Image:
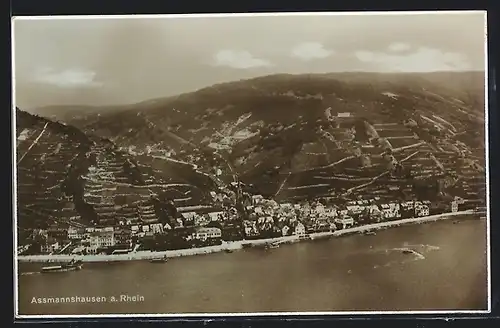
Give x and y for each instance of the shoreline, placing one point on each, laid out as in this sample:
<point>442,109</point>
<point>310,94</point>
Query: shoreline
<point>236,245</point>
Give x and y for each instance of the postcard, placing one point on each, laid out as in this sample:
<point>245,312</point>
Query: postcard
<point>251,164</point>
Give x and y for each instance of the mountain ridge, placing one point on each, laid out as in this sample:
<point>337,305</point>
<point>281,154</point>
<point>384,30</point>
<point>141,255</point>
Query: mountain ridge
<point>316,135</point>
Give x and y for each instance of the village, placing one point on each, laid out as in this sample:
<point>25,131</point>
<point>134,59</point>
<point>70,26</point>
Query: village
<point>265,218</point>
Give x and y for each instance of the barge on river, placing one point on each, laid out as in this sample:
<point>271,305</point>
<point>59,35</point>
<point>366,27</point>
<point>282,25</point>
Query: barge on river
<point>71,266</point>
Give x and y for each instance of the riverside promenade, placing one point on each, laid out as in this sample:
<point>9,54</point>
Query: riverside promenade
<point>235,245</point>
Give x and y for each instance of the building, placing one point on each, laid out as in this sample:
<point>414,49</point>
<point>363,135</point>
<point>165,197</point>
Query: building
<point>390,211</point>
<point>454,206</point>
<point>206,236</point>
<point>156,228</point>
<point>258,210</point>
<point>50,247</point>
<point>375,213</point>
<point>102,239</point>
<point>216,216</point>
<point>189,215</point>
<point>422,210</point>
<point>345,222</point>
<point>250,229</point>
<point>300,229</point>
<point>123,237</point>
<point>75,233</point>
<point>205,233</point>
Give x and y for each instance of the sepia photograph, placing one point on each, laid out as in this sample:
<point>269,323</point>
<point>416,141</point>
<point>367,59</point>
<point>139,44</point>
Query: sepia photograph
<point>250,164</point>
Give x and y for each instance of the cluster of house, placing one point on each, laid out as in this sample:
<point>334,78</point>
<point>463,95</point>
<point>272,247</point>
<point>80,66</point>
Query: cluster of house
<point>308,217</point>
<point>264,218</point>
<point>92,240</point>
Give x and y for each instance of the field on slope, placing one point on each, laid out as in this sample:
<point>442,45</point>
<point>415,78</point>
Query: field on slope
<point>66,177</point>
<point>296,136</point>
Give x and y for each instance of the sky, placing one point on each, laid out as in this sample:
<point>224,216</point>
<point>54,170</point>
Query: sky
<point>104,61</point>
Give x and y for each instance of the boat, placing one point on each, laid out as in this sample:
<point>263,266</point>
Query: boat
<point>228,250</point>
<point>408,251</point>
<point>370,233</point>
<point>271,246</point>
<point>73,265</point>
<point>159,259</point>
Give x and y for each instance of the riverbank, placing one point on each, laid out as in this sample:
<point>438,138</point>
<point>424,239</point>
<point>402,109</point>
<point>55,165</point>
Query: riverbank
<point>236,245</point>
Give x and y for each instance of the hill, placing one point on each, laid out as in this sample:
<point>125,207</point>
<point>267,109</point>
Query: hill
<point>66,177</point>
<point>306,136</point>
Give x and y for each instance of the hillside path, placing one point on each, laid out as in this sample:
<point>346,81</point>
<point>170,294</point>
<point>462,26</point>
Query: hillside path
<point>33,143</point>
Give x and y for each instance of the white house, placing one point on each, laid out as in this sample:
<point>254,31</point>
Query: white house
<point>102,239</point>
<point>355,209</point>
<point>216,216</point>
<point>422,210</point>
<point>268,211</point>
<point>207,233</point>
<point>390,211</point>
<point>285,230</point>
<point>299,229</point>
<point>331,212</point>
<point>375,212</point>
<point>188,215</point>
<point>454,206</point>
<point>157,228</point>
<point>386,211</point>
<point>345,221</point>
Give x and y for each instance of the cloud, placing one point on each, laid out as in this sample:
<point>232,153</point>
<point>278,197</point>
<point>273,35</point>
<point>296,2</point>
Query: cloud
<point>310,51</point>
<point>422,60</point>
<point>399,46</point>
<point>239,59</point>
<point>67,78</point>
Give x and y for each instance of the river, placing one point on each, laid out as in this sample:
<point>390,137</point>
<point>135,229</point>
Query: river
<point>448,271</point>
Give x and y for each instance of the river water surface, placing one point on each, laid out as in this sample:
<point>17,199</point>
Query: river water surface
<point>446,271</point>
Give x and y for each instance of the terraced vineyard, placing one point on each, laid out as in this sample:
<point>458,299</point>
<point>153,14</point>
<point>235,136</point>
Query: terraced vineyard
<point>305,136</point>
<point>69,178</point>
